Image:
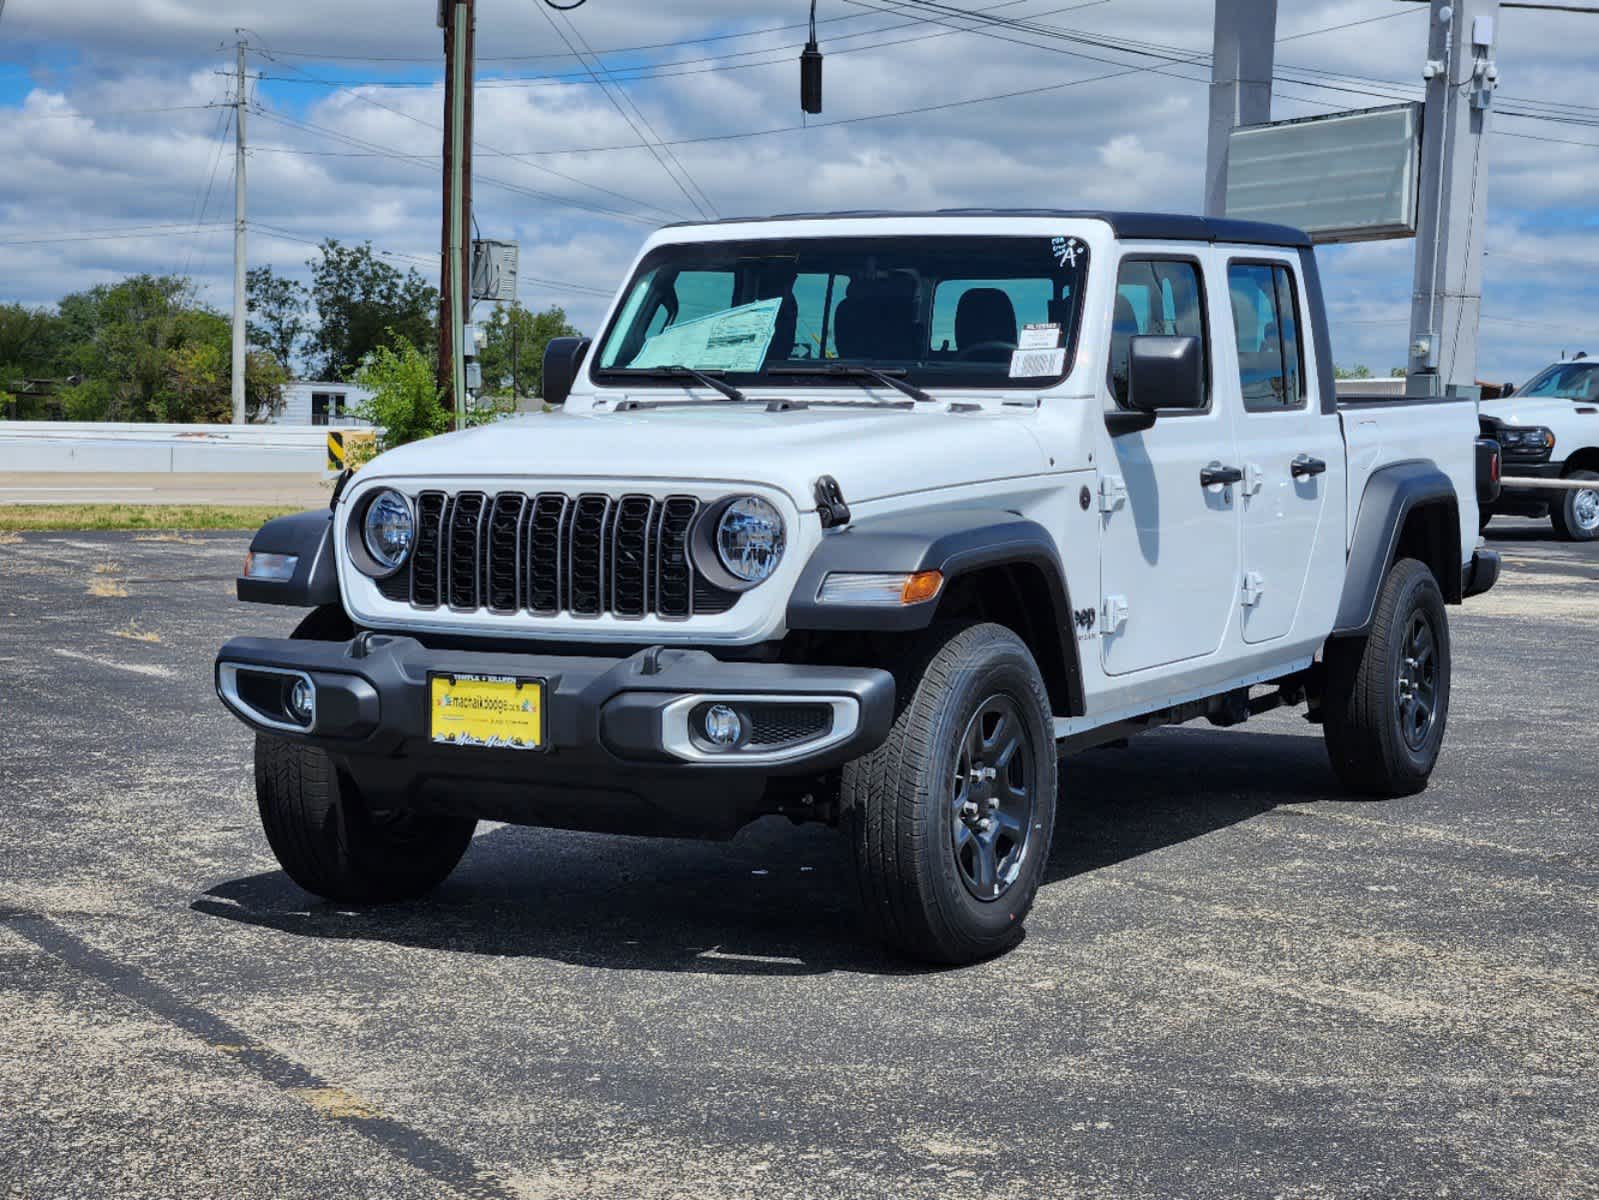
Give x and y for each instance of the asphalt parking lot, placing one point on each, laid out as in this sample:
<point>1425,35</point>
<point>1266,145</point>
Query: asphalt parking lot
<point>1236,983</point>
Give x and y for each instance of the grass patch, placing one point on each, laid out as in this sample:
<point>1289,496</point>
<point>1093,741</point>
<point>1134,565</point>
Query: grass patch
<point>107,589</point>
<point>35,518</point>
<point>134,634</point>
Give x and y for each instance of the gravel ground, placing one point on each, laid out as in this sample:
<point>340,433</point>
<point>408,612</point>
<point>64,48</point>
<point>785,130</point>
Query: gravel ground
<point>1235,984</point>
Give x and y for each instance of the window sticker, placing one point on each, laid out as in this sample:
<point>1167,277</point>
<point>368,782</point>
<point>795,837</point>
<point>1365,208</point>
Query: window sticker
<point>733,340</point>
<point>1039,337</point>
<point>1066,250</point>
<point>1029,364</point>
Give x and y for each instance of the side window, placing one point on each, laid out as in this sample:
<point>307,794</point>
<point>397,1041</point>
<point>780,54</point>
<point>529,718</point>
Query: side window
<point>1266,327</point>
<point>1154,296</point>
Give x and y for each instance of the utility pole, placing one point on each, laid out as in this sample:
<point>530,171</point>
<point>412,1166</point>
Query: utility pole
<point>239,309</point>
<point>457,17</point>
<point>1240,84</point>
<point>1452,219</point>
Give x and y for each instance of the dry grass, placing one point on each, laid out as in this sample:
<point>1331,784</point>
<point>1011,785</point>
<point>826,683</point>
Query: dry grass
<point>7,538</point>
<point>108,568</point>
<point>134,634</point>
<point>170,537</point>
<point>107,588</point>
<point>167,518</point>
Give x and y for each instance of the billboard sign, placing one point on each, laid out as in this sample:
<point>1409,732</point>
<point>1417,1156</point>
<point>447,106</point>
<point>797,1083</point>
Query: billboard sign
<point>1346,177</point>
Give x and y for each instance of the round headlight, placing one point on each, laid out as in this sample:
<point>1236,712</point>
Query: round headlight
<point>749,539</point>
<point>387,529</point>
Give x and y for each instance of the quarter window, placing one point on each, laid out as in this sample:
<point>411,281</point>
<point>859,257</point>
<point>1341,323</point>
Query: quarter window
<point>1154,296</point>
<point>1266,325</point>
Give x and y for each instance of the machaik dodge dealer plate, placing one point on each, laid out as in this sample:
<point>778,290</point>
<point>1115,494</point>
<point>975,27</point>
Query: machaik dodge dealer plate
<point>486,710</point>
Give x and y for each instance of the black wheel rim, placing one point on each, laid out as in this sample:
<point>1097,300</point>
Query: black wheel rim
<point>1418,681</point>
<point>991,812</point>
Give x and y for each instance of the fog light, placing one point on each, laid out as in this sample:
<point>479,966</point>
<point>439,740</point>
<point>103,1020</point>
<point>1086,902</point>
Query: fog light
<point>302,701</point>
<point>722,726</point>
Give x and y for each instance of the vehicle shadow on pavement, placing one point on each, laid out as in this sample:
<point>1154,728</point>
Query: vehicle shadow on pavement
<point>778,899</point>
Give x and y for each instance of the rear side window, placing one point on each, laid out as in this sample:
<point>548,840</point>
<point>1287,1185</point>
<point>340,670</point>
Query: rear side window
<point>1266,325</point>
<point>1154,296</point>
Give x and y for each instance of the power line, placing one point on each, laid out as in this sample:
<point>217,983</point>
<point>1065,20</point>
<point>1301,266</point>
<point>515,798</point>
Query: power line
<point>105,112</point>
<point>171,229</point>
<point>349,90</point>
<point>703,207</point>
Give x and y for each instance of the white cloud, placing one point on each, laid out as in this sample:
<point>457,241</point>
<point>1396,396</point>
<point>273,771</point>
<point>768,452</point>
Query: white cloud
<point>1135,141</point>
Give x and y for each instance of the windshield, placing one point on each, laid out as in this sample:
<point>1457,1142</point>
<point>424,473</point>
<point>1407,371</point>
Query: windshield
<point>1576,381</point>
<point>934,311</point>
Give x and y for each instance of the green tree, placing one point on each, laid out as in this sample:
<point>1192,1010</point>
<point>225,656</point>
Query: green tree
<point>33,343</point>
<point>145,350</point>
<point>406,403</point>
<point>362,303</point>
<point>277,307</point>
<point>514,342</point>
<point>1360,372</point>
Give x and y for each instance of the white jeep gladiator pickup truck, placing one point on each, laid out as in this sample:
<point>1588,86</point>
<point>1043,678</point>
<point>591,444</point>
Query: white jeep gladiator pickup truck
<point>1549,430</point>
<point>867,519</point>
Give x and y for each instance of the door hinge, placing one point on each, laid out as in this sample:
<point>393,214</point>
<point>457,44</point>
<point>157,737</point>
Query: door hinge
<point>1254,477</point>
<point>1112,493</point>
<point>1254,588</point>
<point>1113,616</point>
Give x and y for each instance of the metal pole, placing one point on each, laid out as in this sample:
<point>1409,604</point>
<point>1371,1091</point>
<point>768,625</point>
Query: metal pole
<point>1240,84</point>
<point>1446,301</point>
<point>516,356</point>
<point>456,16</point>
<point>239,269</point>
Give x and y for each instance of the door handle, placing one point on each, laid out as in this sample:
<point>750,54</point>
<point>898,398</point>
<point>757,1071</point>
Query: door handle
<point>1305,466</point>
<point>1216,474</point>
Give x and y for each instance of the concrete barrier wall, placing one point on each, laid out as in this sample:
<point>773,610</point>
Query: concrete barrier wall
<point>198,449</point>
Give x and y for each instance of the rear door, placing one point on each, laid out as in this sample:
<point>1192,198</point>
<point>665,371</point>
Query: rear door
<point>1291,450</point>
<point>1169,545</point>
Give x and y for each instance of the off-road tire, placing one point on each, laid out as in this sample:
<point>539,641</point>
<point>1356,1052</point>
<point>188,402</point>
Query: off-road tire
<point>899,800</point>
<point>329,843</point>
<point>1363,712</point>
<point>1563,513</point>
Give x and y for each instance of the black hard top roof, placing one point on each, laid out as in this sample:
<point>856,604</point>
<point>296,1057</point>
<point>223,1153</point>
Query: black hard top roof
<point>1126,225</point>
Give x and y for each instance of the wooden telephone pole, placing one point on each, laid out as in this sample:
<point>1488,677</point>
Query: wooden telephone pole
<point>458,20</point>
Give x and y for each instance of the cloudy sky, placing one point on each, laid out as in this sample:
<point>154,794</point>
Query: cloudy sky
<point>108,124</point>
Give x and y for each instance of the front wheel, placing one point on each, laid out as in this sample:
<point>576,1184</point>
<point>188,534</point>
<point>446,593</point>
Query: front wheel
<point>331,843</point>
<point>1576,513</point>
<point>951,818</point>
<point>1387,697</point>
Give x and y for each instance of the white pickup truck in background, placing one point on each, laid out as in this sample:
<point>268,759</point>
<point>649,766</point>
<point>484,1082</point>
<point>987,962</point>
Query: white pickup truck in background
<point>1549,431</point>
<point>868,519</point>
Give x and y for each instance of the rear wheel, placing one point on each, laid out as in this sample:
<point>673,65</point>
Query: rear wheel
<point>1387,698</point>
<point>1576,513</point>
<point>951,818</point>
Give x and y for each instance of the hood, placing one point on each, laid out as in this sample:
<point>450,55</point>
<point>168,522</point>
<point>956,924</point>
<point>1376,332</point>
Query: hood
<point>1526,410</point>
<point>873,453</point>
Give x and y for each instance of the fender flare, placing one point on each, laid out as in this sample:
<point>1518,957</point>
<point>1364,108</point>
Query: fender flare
<point>1392,494</point>
<point>309,537</point>
<point>954,542</point>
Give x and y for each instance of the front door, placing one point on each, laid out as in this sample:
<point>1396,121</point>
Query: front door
<point>1169,545</point>
<point>1290,448</point>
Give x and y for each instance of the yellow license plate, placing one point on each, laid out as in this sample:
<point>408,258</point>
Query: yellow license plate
<point>486,710</point>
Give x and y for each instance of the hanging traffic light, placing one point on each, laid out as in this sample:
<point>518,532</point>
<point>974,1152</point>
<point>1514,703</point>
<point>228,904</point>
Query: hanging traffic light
<point>811,71</point>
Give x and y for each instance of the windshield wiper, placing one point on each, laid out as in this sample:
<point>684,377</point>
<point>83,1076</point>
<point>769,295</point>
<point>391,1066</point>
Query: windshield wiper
<point>679,371</point>
<point>859,371</point>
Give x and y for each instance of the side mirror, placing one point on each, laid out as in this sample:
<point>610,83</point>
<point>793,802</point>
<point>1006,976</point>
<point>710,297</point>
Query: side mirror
<point>563,358</point>
<point>1506,391</point>
<point>1165,373</point>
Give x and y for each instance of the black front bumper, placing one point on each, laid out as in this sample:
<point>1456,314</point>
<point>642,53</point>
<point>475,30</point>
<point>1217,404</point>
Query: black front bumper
<point>608,762</point>
<point>1516,501</point>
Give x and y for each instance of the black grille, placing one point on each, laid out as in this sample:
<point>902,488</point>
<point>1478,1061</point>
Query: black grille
<point>464,556</point>
<point>776,725</point>
<point>550,553</point>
